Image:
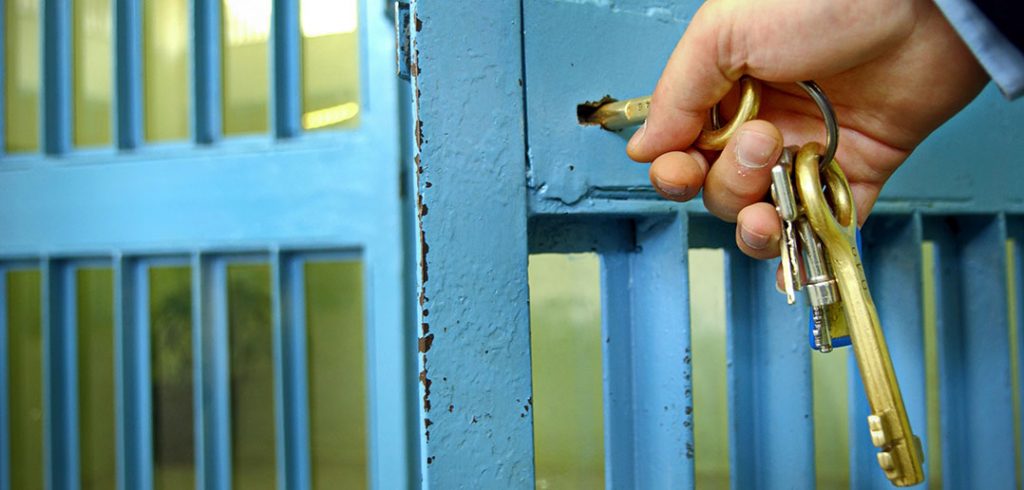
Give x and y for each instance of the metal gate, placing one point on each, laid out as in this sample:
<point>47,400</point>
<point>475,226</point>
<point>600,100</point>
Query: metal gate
<point>252,192</point>
<point>505,170</point>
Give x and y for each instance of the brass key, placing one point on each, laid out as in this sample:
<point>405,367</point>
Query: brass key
<point>834,220</point>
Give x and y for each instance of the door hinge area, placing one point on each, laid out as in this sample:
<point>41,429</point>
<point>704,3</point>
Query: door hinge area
<point>403,39</point>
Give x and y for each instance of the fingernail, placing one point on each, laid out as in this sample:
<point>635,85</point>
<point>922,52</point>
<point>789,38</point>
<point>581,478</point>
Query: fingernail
<point>673,192</point>
<point>753,240</point>
<point>754,149</point>
<point>779,288</point>
<point>638,136</point>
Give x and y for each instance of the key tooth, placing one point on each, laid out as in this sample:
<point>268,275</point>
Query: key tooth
<point>821,287</point>
<point>834,222</point>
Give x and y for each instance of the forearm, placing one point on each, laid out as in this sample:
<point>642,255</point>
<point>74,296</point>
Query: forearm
<point>992,30</point>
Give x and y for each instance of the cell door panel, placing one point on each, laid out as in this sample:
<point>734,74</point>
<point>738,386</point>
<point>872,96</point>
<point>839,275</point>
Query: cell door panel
<point>219,270</point>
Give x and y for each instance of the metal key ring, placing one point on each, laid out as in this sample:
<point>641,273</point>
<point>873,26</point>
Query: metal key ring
<point>750,102</point>
<point>829,115</point>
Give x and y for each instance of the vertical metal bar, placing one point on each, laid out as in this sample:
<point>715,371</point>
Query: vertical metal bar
<point>1015,230</point>
<point>3,84</point>
<point>5,418</point>
<point>974,354</point>
<point>616,324</point>
<point>892,261</point>
<point>285,57</point>
<point>60,376</point>
<point>211,382</point>
<point>133,375</point>
<point>662,384</point>
<point>771,427</point>
<point>128,74</point>
<point>207,97</point>
<point>475,377</point>
<point>290,372</point>
<point>55,123</point>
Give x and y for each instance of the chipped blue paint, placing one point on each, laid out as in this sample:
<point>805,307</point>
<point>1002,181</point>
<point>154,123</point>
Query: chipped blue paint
<point>474,332</point>
<point>583,194</point>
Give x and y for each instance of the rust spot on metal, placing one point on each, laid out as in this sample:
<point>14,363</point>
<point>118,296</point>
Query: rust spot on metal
<point>430,459</point>
<point>424,250</point>
<point>585,111</point>
<point>426,342</point>
<point>426,312</point>
<point>474,420</point>
<point>526,407</point>
<point>427,423</point>
<point>423,210</point>
<point>418,22</point>
<point>427,435</point>
<point>425,327</point>
<point>689,450</point>
<point>428,185</point>
<point>426,390</point>
<point>689,410</point>
<point>451,408</point>
<point>419,133</point>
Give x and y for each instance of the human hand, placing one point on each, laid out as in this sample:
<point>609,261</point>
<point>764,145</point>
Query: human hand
<point>894,70</point>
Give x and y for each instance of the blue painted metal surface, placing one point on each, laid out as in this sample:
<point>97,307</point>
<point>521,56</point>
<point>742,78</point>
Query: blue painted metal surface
<point>55,97</point>
<point>290,364</point>
<point>648,313</point>
<point>5,417</point>
<point>974,355</point>
<point>771,428</point>
<point>210,367</point>
<point>206,91</point>
<point>128,121</point>
<point>476,414</point>
<point>314,197</point>
<point>60,376</point>
<point>133,384</point>
<point>1015,230</point>
<point>892,262</point>
<point>3,100</point>
<point>285,61</point>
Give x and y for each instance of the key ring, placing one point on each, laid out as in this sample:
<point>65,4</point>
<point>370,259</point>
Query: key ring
<point>829,115</point>
<point>718,136</point>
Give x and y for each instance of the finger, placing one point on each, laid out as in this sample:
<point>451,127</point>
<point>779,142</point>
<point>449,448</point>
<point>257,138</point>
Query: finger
<point>698,74</point>
<point>864,197</point>
<point>758,231</point>
<point>742,174</point>
<point>679,175</point>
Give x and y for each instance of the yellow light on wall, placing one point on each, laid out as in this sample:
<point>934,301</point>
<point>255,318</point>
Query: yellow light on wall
<point>330,115</point>
<point>326,17</point>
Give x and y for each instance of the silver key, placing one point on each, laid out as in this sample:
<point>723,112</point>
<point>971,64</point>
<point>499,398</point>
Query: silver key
<point>786,206</point>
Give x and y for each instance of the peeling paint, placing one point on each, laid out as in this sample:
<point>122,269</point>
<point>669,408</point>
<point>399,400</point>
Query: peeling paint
<point>426,342</point>
<point>425,381</point>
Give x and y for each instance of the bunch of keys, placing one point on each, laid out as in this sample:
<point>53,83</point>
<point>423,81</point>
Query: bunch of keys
<point>819,223</point>
<point>820,256</point>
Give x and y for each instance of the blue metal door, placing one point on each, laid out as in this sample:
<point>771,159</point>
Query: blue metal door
<point>505,169</point>
<point>283,198</point>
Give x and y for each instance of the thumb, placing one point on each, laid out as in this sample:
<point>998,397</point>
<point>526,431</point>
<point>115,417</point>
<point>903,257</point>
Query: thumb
<point>700,71</point>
